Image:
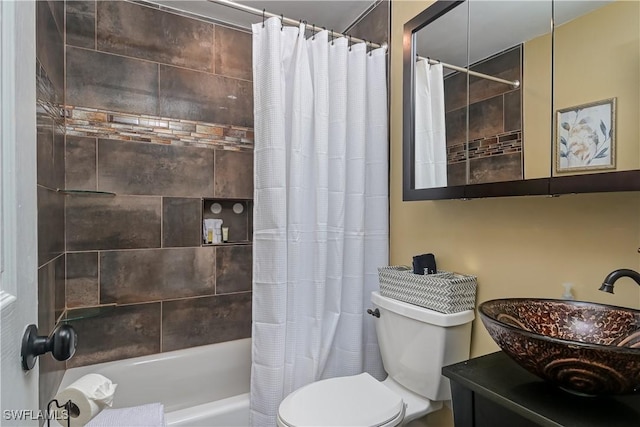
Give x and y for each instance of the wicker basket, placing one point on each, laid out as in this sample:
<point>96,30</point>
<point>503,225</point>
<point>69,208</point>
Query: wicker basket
<point>444,291</point>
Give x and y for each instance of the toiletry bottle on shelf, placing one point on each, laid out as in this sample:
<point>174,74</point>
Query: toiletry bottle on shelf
<point>225,234</point>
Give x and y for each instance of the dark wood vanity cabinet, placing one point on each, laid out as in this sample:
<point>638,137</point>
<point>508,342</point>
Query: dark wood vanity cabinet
<point>493,391</point>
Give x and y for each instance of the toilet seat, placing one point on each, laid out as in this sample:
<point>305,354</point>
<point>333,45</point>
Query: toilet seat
<point>358,400</point>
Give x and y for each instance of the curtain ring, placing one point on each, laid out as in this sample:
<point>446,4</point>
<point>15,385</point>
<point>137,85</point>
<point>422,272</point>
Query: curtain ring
<point>332,37</point>
<point>281,22</point>
<point>263,11</point>
<point>313,37</point>
<point>350,42</point>
<point>370,49</point>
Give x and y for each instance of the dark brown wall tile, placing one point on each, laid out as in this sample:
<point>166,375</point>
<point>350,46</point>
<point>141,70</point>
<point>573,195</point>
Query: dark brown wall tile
<point>119,222</point>
<point>192,95</point>
<point>506,167</point>
<point>199,321</point>
<point>512,111</point>
<point>51,373</point>
<point>237,223</point>
<point>456,126</point>
<point>374,26</point>
<point>46,298</point>
<point>141,168</point>
<point>457,173</point>
<point>50,44</point>
<point>81,23</point>
<point>122,332</point>
<point>51,296</point>
<point>60,288</point>
<point>45,149</point>
<point>486,118</point>
<point>181,222</point>
<point>142,32</point>
<point>148,275</point>
<point>232,53</point>
<point>51,226</point>
<point>101,80</point>
<point>81,163</point>
<point>82,279</point>
<point>50,152</point>
<point>233,269</point>
<point>455,91</point>
<point>505,66</point>
<point>234,174</point>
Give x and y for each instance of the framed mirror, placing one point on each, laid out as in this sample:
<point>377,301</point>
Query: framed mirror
<point>531,95</point>
<point>496,59</point>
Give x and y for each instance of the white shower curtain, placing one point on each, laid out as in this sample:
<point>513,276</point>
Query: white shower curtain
<point>430,136</point>
<point>321,210</point>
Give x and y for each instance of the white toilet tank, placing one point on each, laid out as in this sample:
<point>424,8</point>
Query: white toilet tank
<point>416,343</point>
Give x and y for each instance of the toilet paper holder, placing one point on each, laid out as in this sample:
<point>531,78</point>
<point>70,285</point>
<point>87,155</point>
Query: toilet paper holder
<point>69,410</point>
<point>61,343</point>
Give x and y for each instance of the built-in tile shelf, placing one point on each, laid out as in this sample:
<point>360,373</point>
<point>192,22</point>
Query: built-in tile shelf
<point>239,243</point>
<point>240,223</point>
<point>85,192</point>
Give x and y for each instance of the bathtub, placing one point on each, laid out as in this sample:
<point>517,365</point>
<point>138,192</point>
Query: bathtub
<point>200,386</point>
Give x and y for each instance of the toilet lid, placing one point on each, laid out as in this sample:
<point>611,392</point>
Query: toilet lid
<point>358,400</point>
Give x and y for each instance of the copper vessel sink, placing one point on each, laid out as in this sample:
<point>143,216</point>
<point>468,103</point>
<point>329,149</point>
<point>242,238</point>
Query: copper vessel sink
<point>584,348</point>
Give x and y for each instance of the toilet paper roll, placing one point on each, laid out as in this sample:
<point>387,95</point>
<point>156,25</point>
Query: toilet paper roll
<point>90,395</point>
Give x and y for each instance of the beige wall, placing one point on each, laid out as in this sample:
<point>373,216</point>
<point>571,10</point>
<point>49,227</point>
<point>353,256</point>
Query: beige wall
<point>597,57</point>
<point>519,246</point>
<point>536,107</point>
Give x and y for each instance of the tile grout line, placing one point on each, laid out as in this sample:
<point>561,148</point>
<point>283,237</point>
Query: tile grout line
<point>161,314</point>
<point>162,222</point>
<point>95,25</point>
<point>215,273</point>
<point>159,97</point>
<point>99,276</point>
<point>213,48</point>
<point>149,61</point>
<point>95,142</point>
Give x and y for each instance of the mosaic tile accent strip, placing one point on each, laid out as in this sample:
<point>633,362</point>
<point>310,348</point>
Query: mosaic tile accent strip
<point>505,143</point>
<point>91,122</point>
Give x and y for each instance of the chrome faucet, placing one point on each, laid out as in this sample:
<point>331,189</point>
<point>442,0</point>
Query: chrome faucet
<point>607,285</point>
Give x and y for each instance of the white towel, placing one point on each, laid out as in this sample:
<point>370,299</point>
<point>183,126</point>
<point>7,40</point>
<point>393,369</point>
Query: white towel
<point>151,415</point>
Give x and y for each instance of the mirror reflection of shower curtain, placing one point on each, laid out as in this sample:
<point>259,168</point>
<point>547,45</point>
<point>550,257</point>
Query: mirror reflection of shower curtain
<point>430,135</point>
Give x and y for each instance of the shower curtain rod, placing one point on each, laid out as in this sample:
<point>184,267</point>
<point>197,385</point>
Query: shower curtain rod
<point>514,83</point>
<point>285,20</point>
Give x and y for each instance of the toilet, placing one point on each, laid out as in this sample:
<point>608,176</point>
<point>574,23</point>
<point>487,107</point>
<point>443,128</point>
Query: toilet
<point>415,344</point>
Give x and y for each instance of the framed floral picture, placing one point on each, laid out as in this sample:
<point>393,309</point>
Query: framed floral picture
<point>586,137</point>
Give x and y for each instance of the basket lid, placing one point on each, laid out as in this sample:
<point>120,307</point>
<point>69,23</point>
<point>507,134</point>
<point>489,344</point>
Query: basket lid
<point>422,314</point>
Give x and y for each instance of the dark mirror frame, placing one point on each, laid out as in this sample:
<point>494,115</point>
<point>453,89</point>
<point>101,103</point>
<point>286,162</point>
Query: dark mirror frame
<point>590,183</point>
<point>409,192</point>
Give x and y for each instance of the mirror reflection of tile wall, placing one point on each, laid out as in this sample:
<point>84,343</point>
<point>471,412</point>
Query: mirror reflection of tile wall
<point>494,141</point>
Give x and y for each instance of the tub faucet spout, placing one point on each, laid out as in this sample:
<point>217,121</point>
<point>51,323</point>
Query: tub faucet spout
<point>607,285</point>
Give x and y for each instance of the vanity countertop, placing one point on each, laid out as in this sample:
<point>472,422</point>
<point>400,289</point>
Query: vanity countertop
<point>497,378</point>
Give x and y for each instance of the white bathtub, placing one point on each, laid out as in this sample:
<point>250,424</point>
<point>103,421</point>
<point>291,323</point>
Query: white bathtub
<point>201,386</point>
